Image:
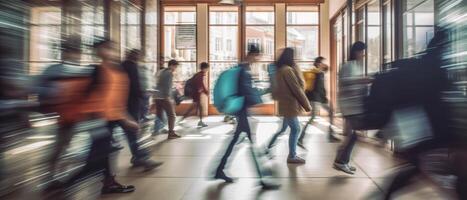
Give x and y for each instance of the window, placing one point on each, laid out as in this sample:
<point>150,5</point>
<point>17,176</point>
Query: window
<point>223,27</point>
<point>130,21</point>
<point>45,43</point>
<point>373,40</point>
<point>46,29</point>
<point>418,24</point>
<point>259,28</point>
<point>179,40</point>
<point>387,40</point>
<point>303,33</point>
<point>151,49</point>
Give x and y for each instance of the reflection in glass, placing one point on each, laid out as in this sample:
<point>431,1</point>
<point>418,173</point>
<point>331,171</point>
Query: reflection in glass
<point>223,42</point>
<point>263,37</point>
<point>304,39</point>
<point>419,26</point>
<point>170,49</point>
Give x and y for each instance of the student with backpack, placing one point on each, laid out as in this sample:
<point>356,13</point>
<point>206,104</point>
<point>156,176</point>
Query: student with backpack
<point>289,93</point>
<point>194,88</point>
<point>316,93</point>
<point>82,95</point>
<point>164,100</point>
<point>243,97</point>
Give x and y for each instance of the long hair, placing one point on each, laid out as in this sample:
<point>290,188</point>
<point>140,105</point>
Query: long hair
<point>357,46</point>
<point>286,58</point>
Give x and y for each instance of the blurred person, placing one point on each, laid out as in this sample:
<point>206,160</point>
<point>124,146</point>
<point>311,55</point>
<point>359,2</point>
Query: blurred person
<point>159,123</point>
<point>252,98</point>
<point>90,98</point>
<point>316,93</point>
<point>136,97</point>
<point>413,95</point>
<point>198,87</point>
<point>352,90</point>
<point>290,95</point>
<point>164,101</point>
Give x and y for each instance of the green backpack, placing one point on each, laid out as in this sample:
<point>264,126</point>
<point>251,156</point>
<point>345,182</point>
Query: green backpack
<point>225,93</point>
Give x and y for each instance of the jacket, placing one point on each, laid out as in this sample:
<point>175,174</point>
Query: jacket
<point>289,92</point>
<point>246,89</point>
<point>164,84</point>
<point>316,81</point>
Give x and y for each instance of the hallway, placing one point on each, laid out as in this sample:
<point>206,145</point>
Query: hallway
<point>187,163</point>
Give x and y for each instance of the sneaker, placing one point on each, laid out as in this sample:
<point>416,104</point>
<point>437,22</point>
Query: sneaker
<point>202,124</point>
<point>173,135</point>
<point>344,167</point>
<point>116,187</point>
<point>221,175</point>
<point>295,160</point>
<point>148,164</point>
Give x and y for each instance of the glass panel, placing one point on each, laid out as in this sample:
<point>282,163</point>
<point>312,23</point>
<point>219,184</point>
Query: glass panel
<point>151,43</point>
<point>419,28</point>
<point>263,37</point>
<point>388,34</point>
<point>373,37</point>
<point>49,17</point>
<point>223,18</point>
<point>223,42</point>
<point>305,65</point>
<point>259,15</point>
<point>89,34</point>
<point>172,51</point>
<point>259,72</point>
<point>130,38</point>
<point>304,39</point>
<point>180,17</point>
<point>184,71</point>
<point>46,43</point>
<point>302,18</point>
<point>424,19</point>
<point>373,52</point>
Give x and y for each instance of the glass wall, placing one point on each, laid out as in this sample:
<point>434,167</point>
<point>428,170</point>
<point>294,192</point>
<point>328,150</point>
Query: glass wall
<point>373,40</point>
<point>130,27</point>
<point>45,45</point>
<point>388,54</point>
<point>179,40</point>
<point>223,40</point>
<point>259,30</point>
<point>303,33</point>
<point>418,23</point>
<point>151,34</point>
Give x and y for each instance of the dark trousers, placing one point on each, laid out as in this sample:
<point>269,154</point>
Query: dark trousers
<point>242,126</point>
<point>132,137</point>
<point>98,160</point>
<point>345,150</point>
<point>166,105</point>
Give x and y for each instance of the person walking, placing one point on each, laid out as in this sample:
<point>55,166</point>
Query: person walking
<point>252,98</point>
<point>198,88</point>
<point>164,101</point>
<point>352,89</point>
<point>316,93</point>
<point>136,97</point>
<point>290,95</point>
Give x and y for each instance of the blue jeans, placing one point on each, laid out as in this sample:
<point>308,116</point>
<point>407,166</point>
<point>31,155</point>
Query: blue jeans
<point>294,125</point>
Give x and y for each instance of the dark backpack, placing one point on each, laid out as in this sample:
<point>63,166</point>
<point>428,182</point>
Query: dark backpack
<point>189,88</point>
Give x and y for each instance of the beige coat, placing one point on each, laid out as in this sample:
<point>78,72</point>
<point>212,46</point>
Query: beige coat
<point>289,92</point>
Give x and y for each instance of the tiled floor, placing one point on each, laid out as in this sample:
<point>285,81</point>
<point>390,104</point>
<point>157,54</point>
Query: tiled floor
<point>188,164</point>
